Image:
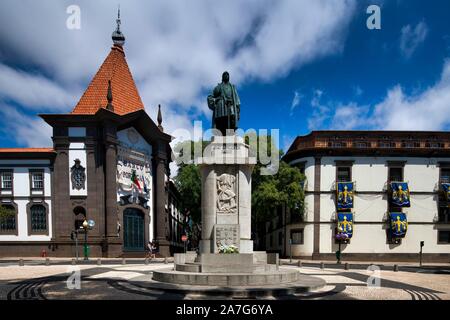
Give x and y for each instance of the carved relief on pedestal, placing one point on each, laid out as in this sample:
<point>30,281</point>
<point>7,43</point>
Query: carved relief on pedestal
<point>226,194</point>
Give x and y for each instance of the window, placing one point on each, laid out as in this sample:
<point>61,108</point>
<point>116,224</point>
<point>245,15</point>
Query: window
<point>445,175</point>
<point>386,144</point>
<point>6,180</point>
<point>37,180</point>
<point>444,237</point>
<point>297,236</point>
<point>7,219</point>
<point>361,144</point>
<point>38,218</point>
<point>396,174</point>
<point>344,174</point>
<point>443,214</point>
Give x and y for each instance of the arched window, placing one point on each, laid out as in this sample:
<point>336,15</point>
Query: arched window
<point>8,216</point>
<point>80,216</point>
<point>38,218</point>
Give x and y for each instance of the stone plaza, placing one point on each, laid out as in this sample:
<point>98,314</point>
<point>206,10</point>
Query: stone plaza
<point>131,281</point>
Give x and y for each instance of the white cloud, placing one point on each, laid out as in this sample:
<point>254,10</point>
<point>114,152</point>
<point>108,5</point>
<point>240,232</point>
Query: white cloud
<point>424,111</point>
<point>321,111</point>
<point>295,101</point>
<point>25,130</point>
<point>33,90</point>
<point>177,50</point>
<point>350,116</point>
<point>412,37</point>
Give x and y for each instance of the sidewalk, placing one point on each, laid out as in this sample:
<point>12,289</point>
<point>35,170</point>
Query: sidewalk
<point>69,261</point>
<point>359,265</point>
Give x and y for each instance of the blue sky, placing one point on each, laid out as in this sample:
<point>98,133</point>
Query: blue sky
<point>298,65</point>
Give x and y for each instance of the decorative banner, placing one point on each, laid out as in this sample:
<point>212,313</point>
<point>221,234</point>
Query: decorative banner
<point>399,224</point>
<point>345,195</point>
<point>345,224</point>
<point>400,194</point>
<point>446,189</point>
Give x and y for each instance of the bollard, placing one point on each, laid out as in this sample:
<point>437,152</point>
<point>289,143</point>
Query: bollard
<point>322,265</point>
<point>300,264</point>
<point>21,263</point>
<point>347,266</point>
<point>124,261</point>
<point>395,267</point>
<point>47,261</point>
<point>99,262</point>
<point>74,262</point>
<point>166,260</point>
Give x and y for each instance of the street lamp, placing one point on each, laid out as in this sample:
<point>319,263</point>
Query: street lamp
<point>87,225</point>
<point>340,236</point>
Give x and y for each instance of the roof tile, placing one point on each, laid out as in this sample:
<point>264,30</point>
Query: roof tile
<point>126,97</point>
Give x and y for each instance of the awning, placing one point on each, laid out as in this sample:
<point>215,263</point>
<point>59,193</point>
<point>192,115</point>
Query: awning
<point>398,224</point>
<point>400,194</point>
<point>344,195</point>
<point>345,224</point>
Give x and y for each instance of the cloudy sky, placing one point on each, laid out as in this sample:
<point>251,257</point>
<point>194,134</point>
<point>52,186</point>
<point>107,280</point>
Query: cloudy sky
<point>299,65</point>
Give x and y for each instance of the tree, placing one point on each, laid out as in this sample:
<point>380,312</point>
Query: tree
<point>188,182</point>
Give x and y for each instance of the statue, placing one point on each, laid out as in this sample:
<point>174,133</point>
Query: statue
<point>225,104</point>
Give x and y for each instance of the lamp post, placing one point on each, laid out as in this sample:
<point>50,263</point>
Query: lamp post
<point>87,225</point>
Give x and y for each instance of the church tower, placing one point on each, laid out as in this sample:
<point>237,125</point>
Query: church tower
<point>111,166</point>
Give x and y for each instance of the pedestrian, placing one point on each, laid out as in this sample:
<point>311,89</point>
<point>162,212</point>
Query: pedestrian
<point>150,249</point>
<point>154,249</point>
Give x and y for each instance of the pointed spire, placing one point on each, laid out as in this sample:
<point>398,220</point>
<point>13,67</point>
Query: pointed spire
<point>160,118</point>
<point>117,36</point>
<point>109,97</point>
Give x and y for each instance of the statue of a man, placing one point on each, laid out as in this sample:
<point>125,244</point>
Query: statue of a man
<point>225,104</point>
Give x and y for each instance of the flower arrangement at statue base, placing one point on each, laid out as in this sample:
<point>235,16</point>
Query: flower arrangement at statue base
<point>224,248</point>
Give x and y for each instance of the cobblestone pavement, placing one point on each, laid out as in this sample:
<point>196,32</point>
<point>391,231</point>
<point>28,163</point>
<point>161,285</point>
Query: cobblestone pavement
<point>117,281</point>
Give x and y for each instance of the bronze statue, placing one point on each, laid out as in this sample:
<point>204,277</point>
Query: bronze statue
<point>225,104</point>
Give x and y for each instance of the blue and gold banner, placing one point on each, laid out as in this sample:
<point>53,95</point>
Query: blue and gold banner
<point>400,194</point>
<point>399,224</point>
<point>345,224</point>
<point>446,189</point>
<point>345,195</point>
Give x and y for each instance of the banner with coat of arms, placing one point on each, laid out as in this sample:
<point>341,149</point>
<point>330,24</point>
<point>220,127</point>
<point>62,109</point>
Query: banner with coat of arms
<point>345,195</point>
<point>345,224</point>
<point>400,194</point>
<point>446,190</point>
<point>398,224</point>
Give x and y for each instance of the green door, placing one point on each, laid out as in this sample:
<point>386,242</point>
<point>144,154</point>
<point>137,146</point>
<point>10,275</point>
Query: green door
<point>133,231</point>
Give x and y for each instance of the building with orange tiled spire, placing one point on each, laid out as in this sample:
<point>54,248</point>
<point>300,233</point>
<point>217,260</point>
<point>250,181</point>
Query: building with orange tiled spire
<point>109,163</point>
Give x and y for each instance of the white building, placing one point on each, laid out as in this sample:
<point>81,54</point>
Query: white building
<point>371,160</point>
<point>25,191</point>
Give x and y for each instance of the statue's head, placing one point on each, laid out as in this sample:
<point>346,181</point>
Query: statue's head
<point>225,77</point>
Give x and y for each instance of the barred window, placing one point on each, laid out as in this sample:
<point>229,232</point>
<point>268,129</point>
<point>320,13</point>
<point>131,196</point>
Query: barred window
<point>6,180</point>
<point>344,174</point>
<point>7,218</point>
<point>297,236</point>
<point>445,175</point>
<point>37,180</point>
<point>38,218</point>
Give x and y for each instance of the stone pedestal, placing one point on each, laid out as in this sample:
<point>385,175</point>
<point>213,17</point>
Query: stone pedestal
<point>226,170</point>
